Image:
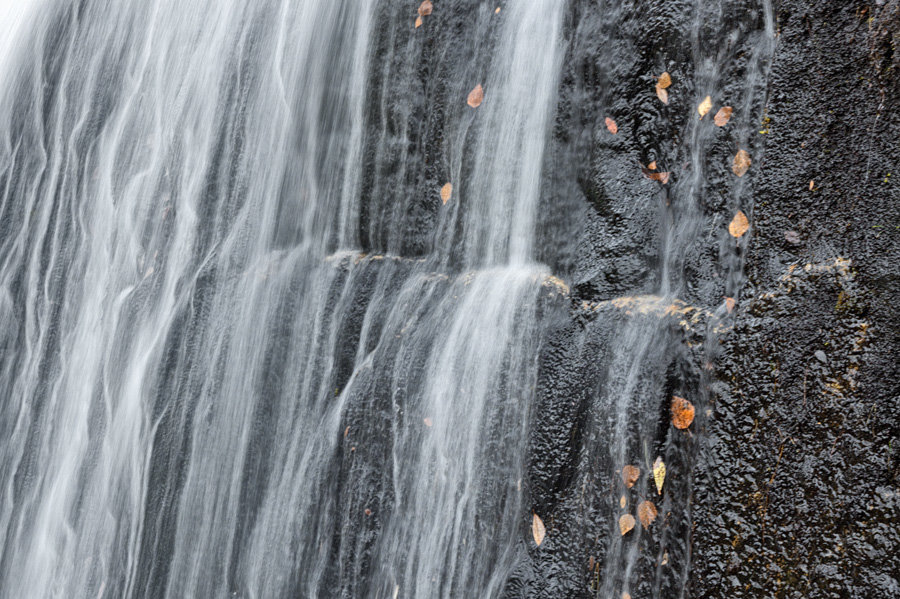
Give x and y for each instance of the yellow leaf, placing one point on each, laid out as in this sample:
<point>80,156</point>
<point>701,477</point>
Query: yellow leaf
<point>538,530</point>
<point>626,523</point>
<point>812,185</point>
<point>723,116</point>
<point>476,96</point>
<point>418,22</point>
<point>425,8</point>
<point>497,10</point>
<point>646,513</point>
<point>623,502</point>
<point>662,94</point>
<point>739,224</point>
<point>682,412</point>
<point>446,192</point>
<point>611,125</point>
<point>704,106</point>
<point>665,80</point>
<point>741,163</point>
<point>652,166</point>
<point>659,474</point>
<point>630,474</point>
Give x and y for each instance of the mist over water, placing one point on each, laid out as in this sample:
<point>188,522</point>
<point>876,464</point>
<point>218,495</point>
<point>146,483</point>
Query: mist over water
<point>245,348</point>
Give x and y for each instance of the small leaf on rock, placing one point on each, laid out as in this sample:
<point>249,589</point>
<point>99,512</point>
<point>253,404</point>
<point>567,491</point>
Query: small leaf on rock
<point>723,116</point>
<point>446,192</point>
<point>704,106</point>
<point>497,11</point>
<point>662,94</point>
<point>630,474</point>
<point>739,224</point>
<point>682,412</point>
<point>476,96</point>
<point>646,513</point>
<point>626,523</point>
<point>665,80</point>
<point>425,8</point>
<point>662,177</point>
<point>741,163</point>
<point>812,185</point>
<point>652,166</point>
<point>611,125</point>
<point>623,501</point>
<point>659,474</point>
<point>730,304</point>
<point>538,530</point>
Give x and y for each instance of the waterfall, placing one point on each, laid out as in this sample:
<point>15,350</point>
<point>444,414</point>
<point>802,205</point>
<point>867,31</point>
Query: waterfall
<point>248,349</point>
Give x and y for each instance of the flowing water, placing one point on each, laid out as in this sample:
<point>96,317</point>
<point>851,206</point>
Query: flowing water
<point>245,348</point>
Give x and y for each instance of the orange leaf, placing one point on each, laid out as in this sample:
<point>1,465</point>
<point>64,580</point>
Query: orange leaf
<point>704,106</point>
<point>418,22</point>
<point>741,163</point>
<point>812,185</point>
<point>662,94</point>
<point>652,166</point>
<point>626,523</point>
<point>646,513</point>
<point>739,224</point>
<point>425,8</point>
<point>723,116</point>
<point>662,177</point>
<point>497,11</point>
<point>611,125</point>
<point>730,304</point>
<point>446,192</point>
<point>538,530</point>
<point>476,96</point>
<point>659,474</point>
<point>682,412</point>
<point>630,474</point>
<point>623,501</point>
<point>665,80</point>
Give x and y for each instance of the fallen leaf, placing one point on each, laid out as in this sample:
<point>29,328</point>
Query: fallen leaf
<point>476,96</point>
<point>739,224</point>
<point>630,474</point>
<point>368,512</point>
<point>497,10</point>
<point>682,412</point>
<point>427,421</point>
<point>591,563</point>
<point>812,185</point>
<point>446,192</point>
<point>611,125</point>
<point>659,474</point>
<point>729,304</point>
<point>665,80</point>
<point>626,595</point>
<point>626,523</point>
<point>425,8</point>
<point>646,513</point>
<point>723,116</point>
<point>662,177</point>
<point>538,530</point>
<point>346,430</point>
<point>665,559</point>
<point>652,166</point>
<point>418,22</point>
<point>704,106</point>
<point>623,501</point>
<point>662,94</point>
<point>741,163</point>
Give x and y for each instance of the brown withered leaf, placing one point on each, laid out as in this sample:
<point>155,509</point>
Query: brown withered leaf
<point>476,97</point>
<point>723,116</point>
<point>537,530</point>
<point>418,22</point>
<point>682,412</point>
<point>659,474</point>
<point>446,192</point>
<point>623,501</point>
<point>741,163</point>
<point>626,523</point>
<point>611,125</point>
<point>425,8</point>
<point>665,80</point>
<point>739,224</point>
<point>730,304</point>
<point>662,177</point>
<point>704,106</point>
<point>630,475</point>
<point>662,94</point>
<point>652,166</point>
<point>812,185</point>
<point>646,513</point>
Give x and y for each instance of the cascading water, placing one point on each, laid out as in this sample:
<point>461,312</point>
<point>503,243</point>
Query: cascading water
<point>246,348</point>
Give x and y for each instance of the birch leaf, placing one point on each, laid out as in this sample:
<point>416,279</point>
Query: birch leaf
<point>704,106</point>
<point>611,125</point>
<point>659,474</point>
<point>630,474</point>
<point>418,22</point>
<point>476,97</point>
<point>739,224</point>
<point>446,192</point>
<point>538,530</point>
<point>626,523</point>
<point>646,513</point>
<point>741,163</point>
<point>723,116</point>
<point>665,80</point>
<point>682,412</point>
<point>662,94</point>
<point>425,8</point>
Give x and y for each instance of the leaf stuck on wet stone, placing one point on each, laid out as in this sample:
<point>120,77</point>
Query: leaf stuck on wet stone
<point>704,106</point>
<point>626,523</point>
<point>446,192</point>
<point>741,163</point>
<point>418,22</point>
<point>425,8</point>
<point>662,94</point>
<point>611,125</point>
<point>659,474</point>
<point>682,412</point>
<point>739,224</point>
<point>630,475</point>
<point>723,116</point>
<point>730,304</point>
<point>538,530</point>
<point>665,80</point>
<point>646,513</point>
<point>476,96</point>
<point>623,501</point>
